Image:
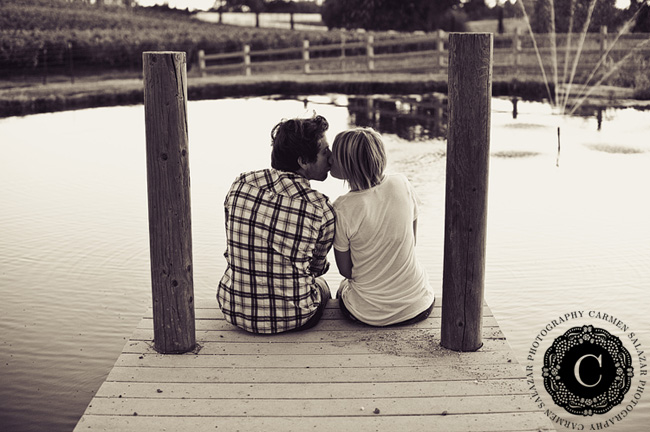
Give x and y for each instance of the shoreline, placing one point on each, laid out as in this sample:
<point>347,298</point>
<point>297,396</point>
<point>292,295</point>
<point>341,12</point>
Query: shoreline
<point>44,98</point>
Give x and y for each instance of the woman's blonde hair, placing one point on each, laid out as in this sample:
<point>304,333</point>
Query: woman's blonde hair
<point>361,157</point>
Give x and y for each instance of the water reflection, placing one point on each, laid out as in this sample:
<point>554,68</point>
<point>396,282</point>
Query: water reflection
<point>423,117</point>
<point>413,118</point>
<point>74,258</point>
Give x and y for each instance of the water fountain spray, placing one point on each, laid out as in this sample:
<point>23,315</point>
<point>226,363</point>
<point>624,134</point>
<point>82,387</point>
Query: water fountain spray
<point>560,106</point>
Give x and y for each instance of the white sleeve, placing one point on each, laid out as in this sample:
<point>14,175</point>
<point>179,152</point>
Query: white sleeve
<point>341,236</point>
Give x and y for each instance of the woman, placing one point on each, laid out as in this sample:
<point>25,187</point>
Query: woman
<point>374,244</point>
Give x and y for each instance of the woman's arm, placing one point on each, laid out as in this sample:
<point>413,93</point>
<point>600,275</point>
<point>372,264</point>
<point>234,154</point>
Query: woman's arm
<point>344,263</point>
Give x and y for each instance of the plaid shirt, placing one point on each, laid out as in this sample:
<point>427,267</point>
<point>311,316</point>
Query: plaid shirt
<point>278,234</point>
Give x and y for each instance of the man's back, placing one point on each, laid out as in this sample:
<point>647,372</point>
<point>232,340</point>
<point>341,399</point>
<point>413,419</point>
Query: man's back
<point>278,232</point>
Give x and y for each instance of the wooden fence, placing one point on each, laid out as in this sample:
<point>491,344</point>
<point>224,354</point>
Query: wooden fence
<point>515,55</point>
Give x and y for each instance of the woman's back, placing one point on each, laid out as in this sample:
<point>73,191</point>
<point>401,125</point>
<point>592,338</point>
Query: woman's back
<point>388,285</point>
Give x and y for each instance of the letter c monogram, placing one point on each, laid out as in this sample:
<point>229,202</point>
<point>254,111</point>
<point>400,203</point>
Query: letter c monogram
<point>576,369</point>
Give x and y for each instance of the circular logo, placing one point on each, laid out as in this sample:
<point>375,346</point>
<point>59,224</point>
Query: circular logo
<point>587,371</point>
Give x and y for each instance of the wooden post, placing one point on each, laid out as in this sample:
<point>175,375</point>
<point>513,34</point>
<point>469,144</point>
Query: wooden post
<point>168,180</point>
<point>468,152</point>
<point>70,62</point>
<point>343,52</point>
<point>45,65</point>
<point>247,60</point>
<point>516,51</point>
<point>603,40</point>
<point>440,47</point>
<point>603,44</point>
<point>370,52</point>
<point>305,56</point>
<point>202,63</point>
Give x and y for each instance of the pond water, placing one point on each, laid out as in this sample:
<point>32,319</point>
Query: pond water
<point>74,259</point>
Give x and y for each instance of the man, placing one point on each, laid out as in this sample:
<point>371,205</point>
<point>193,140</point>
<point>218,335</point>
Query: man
<point>278,233</point>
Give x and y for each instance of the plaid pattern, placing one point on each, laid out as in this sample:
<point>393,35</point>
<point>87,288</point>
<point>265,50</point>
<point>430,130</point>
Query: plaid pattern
<point>278,234</point>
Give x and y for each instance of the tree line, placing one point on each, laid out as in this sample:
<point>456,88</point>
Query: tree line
<point>451,15</point>
<point>59,35</point>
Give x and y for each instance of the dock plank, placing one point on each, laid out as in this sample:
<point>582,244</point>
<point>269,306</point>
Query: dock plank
<point>341,407</point>
<point>210,310</point>
<point>359,335</point>
<point>506,422</point>
<point>322,348</point>
<point>309,375</point>
<point>308,360</point>
<point>325,325</point>
<point>279,391</point>
<point>337,376</point>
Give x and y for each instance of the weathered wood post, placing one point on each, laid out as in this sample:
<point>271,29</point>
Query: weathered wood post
<point>440,48</point>
<point>305,56</point>
<point>468,151</point>
<point>70,62</point>
<point>247,60</point>
<point>202,63</point>
<point>343,52</point>
<point>516,52</point>
<point>44,65</point>
<point>604,46</point>
<point>602,39</point>
<point>168,181</point>
<point>370,52</point>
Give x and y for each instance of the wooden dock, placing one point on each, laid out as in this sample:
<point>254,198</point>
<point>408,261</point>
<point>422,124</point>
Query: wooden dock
<point>337,376</point>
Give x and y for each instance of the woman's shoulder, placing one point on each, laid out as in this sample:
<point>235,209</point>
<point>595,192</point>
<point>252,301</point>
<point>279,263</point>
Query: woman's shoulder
<point>343,200</point>
<point>352,203</point>
<point>397,177</point>
<point>397,180</point>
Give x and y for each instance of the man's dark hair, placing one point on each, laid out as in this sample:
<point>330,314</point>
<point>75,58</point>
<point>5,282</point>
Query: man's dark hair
<point>296,138</point>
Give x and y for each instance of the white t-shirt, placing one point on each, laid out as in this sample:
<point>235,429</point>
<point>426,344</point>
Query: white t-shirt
<point>388,284</point>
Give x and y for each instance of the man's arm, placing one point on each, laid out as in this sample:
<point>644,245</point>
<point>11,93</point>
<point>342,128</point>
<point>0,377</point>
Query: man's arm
<point>319,264</point>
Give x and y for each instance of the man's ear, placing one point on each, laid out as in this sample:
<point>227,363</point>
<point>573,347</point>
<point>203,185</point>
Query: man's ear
<point>301,162</point>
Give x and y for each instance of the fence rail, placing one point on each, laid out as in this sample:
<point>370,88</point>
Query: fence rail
<point>515,55</point>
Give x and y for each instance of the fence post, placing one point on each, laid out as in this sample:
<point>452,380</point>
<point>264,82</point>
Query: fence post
<point>168,183</point>
<point>305,56</point>
<point>603,40</point>
<point>247,60</point>
<point>44,65</point>
<point>516,51</point>
<point>202,63</point>
<point>440,47</point>
<point>343,52</point>
<point>70,62</point>
<point>370,52</point>
<point>603,44</point>
<point>468,151</point>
